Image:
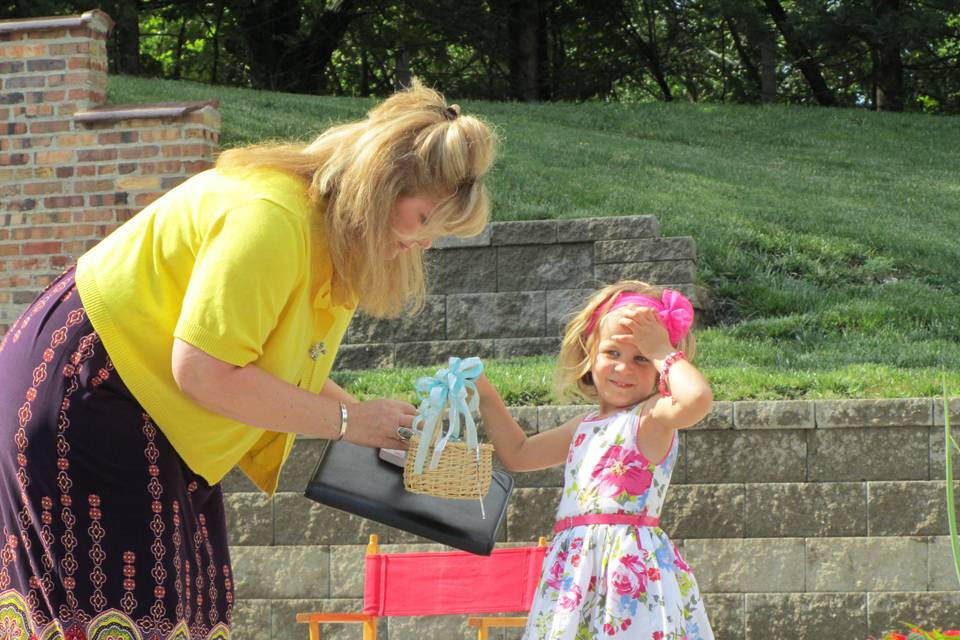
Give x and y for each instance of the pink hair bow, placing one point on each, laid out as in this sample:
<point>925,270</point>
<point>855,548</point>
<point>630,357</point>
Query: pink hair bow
<point>674,309</point>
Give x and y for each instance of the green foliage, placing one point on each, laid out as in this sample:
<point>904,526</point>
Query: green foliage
<point>616,50</point>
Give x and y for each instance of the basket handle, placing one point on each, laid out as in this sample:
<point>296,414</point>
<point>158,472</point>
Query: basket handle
<point>450,388</point>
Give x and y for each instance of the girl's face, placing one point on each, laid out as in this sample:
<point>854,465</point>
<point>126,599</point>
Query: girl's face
<point>622,375</point>
<point>410,217</point>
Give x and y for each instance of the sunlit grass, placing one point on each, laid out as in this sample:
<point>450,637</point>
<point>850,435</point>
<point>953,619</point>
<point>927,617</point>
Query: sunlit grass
<point>827,238</point>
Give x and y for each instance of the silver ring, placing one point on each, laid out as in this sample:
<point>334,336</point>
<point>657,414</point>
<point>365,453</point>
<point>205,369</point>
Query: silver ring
<point>404,433</point>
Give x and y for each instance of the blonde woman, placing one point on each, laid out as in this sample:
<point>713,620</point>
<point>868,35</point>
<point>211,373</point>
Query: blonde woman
<point>199,336</point>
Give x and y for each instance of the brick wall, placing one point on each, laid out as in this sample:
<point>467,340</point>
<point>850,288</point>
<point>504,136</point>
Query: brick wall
<point>73,168</point>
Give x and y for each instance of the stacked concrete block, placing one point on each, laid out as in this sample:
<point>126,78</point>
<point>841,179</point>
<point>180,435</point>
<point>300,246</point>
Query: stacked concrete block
<point>509,291</point>
<point>801,519</point>
<point>73,168</point>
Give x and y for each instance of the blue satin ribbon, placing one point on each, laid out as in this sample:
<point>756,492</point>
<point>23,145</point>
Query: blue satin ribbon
<point>447,390</point>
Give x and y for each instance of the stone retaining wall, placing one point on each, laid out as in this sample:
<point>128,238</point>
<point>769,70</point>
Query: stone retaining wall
<point>507,292</point>
<point>801,520</point>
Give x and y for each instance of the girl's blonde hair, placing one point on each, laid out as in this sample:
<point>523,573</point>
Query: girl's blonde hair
<point>578,351</point>
<point>411,144</point>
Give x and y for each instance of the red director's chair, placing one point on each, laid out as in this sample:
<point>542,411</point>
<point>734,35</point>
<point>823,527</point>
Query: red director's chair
<point>442,583</point>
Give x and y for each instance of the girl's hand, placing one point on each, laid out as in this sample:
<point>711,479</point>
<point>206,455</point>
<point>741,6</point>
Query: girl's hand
<point>484,386</point>
<point>374,423</point>
<point>643,328</point>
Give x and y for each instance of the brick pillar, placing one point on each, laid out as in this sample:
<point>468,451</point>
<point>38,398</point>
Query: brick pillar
<point>73,168</point>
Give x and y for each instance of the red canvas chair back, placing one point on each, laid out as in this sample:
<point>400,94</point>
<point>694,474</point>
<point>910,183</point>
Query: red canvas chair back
<point>454,582</point>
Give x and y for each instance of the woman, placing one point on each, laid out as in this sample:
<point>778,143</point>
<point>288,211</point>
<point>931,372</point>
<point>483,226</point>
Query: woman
<point>198,336</point>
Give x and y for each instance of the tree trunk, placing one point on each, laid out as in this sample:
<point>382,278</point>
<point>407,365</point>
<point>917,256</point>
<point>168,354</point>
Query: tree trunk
<point>888,68</point>
<point>281,58</point>
<point>364,73</point>
<point>544,78</point>
<point>752,72</point>
<point>768,67</point>
<point>651,60</point>
<point>178,50</point>
<point>402,77</point>
<point>127,36</point>
<point>523,28</point>
<point>215,67</point>
<point>801,55</point>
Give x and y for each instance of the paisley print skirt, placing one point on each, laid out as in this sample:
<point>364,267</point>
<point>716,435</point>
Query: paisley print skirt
<point>107,534</point>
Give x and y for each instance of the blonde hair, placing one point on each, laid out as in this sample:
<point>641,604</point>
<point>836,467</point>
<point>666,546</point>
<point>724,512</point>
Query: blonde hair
<point>411,144</point>
<point>578,351</point>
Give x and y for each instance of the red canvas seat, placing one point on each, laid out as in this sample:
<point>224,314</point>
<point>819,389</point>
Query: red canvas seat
<point>441,583</point>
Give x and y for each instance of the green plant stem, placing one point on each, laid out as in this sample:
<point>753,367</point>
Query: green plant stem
<point>951,509</point>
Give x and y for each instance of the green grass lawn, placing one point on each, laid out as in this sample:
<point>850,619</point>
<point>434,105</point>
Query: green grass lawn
<point>828,238</point>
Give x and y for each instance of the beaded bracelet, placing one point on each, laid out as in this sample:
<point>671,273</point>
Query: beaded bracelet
<point>667,363</point>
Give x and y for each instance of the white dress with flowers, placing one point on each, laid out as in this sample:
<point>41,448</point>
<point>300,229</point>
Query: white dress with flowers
<point>615,581</point>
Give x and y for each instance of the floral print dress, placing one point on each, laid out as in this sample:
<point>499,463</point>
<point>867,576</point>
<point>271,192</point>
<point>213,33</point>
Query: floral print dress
<point>615,580</point>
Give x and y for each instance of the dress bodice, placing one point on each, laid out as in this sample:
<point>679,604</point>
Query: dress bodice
<point>607,473</point>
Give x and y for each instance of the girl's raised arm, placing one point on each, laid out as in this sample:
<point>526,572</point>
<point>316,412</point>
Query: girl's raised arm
<point>514,449</point>
<point>690,396</point>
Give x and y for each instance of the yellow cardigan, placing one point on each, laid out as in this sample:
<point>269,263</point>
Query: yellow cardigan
<point>223,262</point>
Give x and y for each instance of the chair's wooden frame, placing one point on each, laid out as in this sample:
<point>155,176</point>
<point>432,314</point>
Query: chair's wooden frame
<point>482,623</point>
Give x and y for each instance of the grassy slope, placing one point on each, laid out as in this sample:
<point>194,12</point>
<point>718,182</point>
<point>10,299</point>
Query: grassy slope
<point>829,238</point>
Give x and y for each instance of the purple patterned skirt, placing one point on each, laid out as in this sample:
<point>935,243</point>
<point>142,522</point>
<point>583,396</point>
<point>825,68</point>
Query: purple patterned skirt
<point>107,534</point>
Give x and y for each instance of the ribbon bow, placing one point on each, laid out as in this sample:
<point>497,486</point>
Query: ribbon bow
<point>673,308</point>
<point>676,312</point>
<point>448,389</point>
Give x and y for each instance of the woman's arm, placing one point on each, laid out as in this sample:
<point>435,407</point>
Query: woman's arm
<point>332,390</point>
<point>253,396</point>
<point>514,449</point>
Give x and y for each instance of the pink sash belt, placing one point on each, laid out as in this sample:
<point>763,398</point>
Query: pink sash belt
<point>606,518</point>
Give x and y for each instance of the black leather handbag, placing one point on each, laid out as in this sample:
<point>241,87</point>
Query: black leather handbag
<point>354,479</point>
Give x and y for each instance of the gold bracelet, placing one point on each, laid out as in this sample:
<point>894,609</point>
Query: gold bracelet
<point>343,421</point>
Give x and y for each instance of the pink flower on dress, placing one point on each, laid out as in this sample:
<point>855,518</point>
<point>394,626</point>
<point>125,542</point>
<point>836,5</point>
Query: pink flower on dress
<point>634,563</point>
<point>683,566</point>
<point>571,599</point>
<point>556,575</point>
<point>657,635</point>
<point>579,440</point>
<point>625,584</point>
<point>622,470</point>
<point>633,581</point>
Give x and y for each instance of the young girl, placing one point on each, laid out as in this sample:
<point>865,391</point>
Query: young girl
<point>611,572</point>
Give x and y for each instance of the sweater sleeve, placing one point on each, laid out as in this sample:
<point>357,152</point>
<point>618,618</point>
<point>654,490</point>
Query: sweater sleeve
<point>249,263</point>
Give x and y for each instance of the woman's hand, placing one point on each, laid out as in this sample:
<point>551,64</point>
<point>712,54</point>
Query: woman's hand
<point>374,423</point>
